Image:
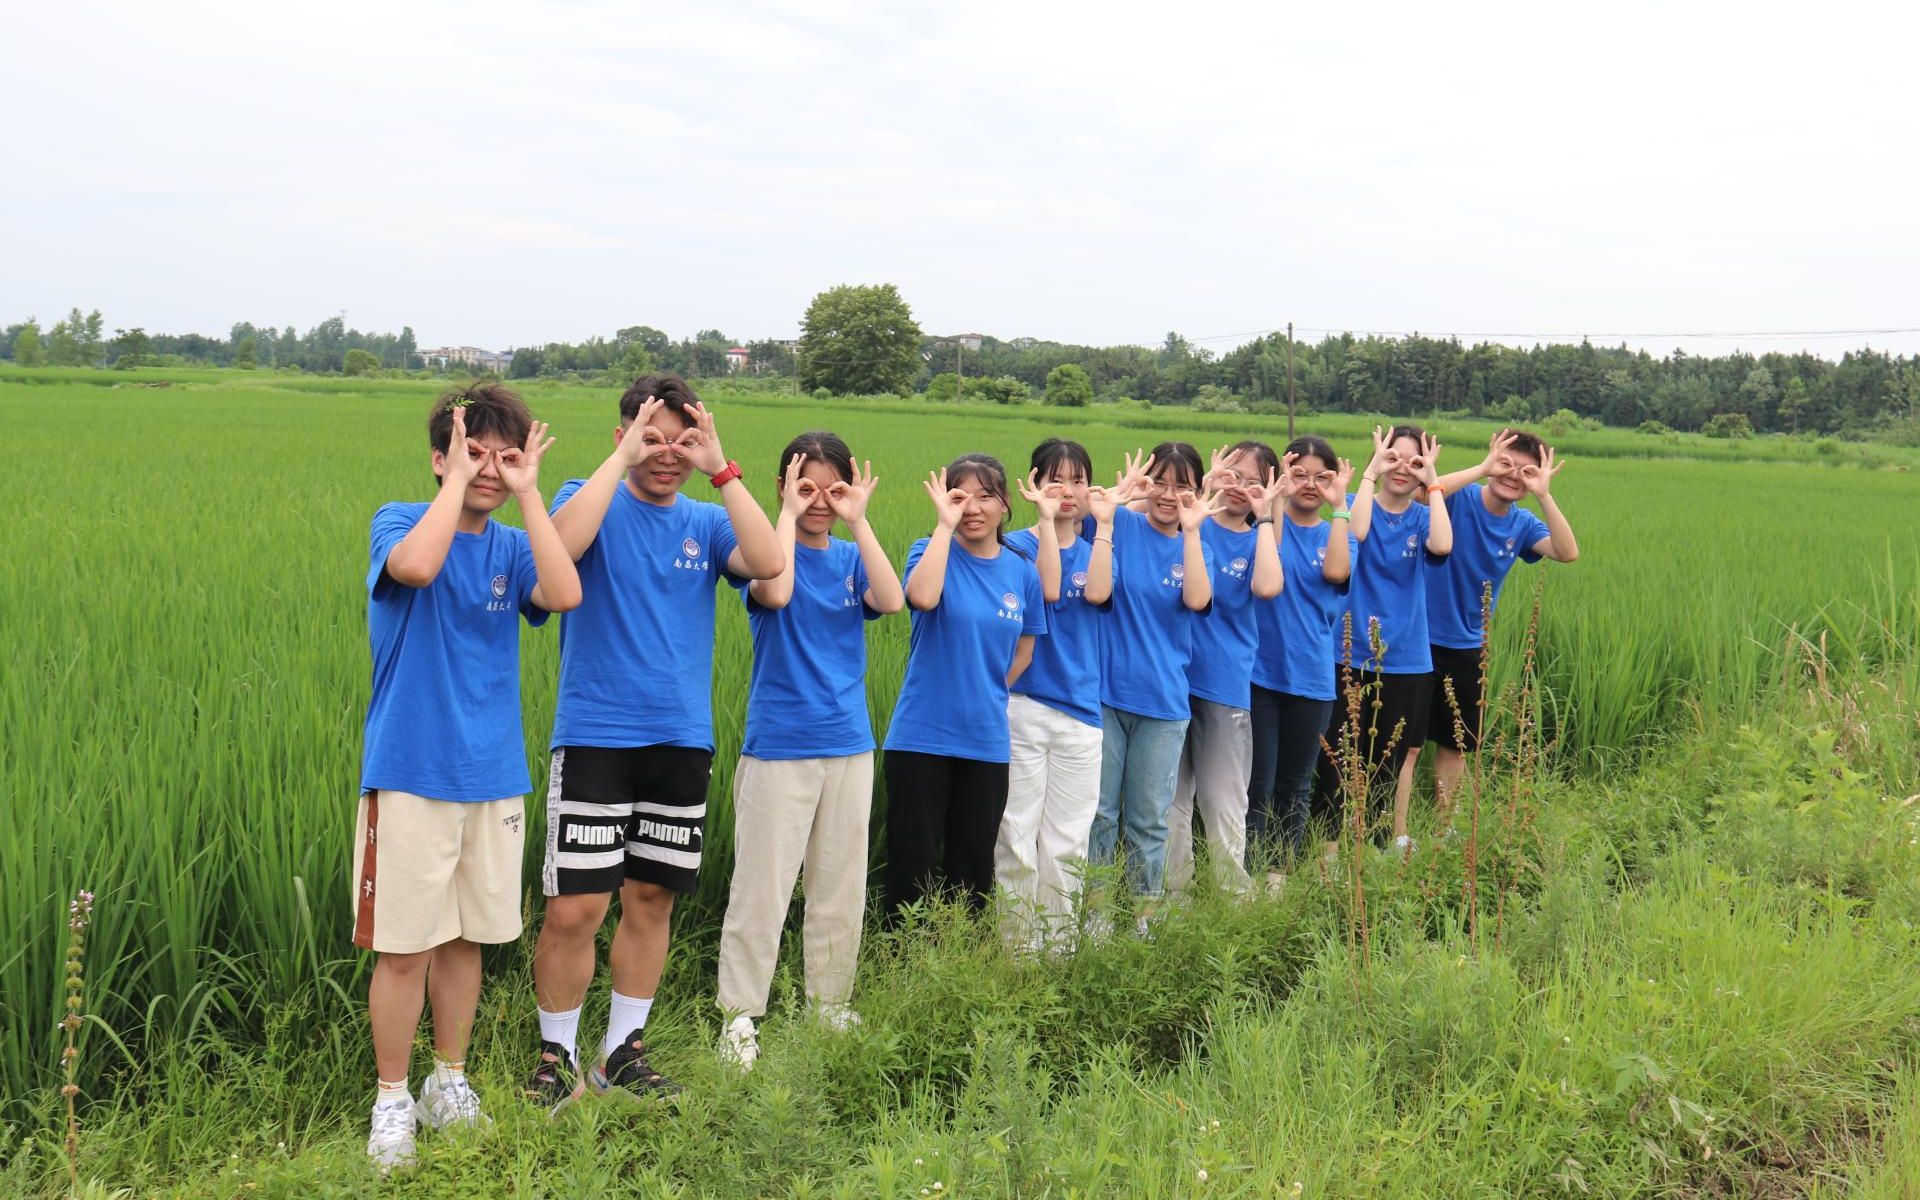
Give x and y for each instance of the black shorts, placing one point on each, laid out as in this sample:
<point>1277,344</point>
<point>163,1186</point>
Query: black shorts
<point>629,813</point>
<point>1463,668</point>
<point>1406,702</point>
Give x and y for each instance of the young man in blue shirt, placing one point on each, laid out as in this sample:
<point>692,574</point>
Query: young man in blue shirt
<point>1490,533</point>
<point>444,771</point>
<point>633,730</point>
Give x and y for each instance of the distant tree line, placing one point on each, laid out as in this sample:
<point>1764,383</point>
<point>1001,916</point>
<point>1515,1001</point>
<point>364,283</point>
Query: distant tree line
<point>78,341</point>
<point>863,340</point>
<point>1865,392</point>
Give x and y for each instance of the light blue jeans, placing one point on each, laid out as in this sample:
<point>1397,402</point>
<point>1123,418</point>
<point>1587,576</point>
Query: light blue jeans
<point>1139,763</point>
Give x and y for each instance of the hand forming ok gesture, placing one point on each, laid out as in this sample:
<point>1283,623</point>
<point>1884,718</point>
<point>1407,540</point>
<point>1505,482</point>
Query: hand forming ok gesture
<point>1342,476</point>
<point>1497,448</point>
<point>634,448</point>
<point>947,502</point>
<point>797,493</point>
<point>1046,497</point>
<point>1425,466</point>
<point>1195,509</point>
<point>1102,503</point>
<point>1539,479</point>
<point>699,443</point>
<point>1384,458</point>
<point>520,465</point>
<point>463,458</point>
<point>1262,497</point>
<point>1136,479</point>
<point>849,499</point>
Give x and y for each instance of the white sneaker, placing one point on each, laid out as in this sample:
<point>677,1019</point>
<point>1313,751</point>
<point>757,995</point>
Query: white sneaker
<point>455,1104</point>
<point>390,1144</point>
<point>740,1043</point>
<point>837,1017</point>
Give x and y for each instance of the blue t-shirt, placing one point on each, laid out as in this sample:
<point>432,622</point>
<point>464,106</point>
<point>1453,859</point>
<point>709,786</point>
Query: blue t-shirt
<point>808,698</point>
<point>1225,640</point>
<point>1390,585</point>
<point>953,700</point>
<point>1484,549</point>
<point>1300,630</point>
<point>636,658</point>
<point>1146,638</point>
<point>444,721</point>
<point>1065,672</point>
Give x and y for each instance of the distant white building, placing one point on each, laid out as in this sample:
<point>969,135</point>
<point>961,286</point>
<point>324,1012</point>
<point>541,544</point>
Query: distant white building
<point>469,356</point>
<point>737,358</point>
<point>970,342</point>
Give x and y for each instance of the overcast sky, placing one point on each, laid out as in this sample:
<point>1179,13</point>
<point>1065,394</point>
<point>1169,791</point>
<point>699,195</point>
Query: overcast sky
<point>499,174</point>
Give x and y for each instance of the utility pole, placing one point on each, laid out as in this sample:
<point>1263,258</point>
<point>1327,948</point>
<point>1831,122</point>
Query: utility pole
<point>958,376</point>
<point>1289,380</point>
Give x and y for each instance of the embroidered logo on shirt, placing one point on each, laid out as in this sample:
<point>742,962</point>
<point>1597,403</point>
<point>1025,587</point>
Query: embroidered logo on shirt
<point>1179,572</point>
<point>849,585</point>
<point>1010,600</point>
<point>498,603</point>
<point>690,548</point>
<point>1080,579</point>
<point>1237,567</point>
<point>499,585</point>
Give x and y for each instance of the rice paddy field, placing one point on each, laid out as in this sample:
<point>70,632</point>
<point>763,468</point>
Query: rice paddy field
<point>1705,938</point>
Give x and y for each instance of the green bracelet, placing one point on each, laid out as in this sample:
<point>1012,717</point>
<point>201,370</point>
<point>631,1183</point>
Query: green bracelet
<point>1341,514</point>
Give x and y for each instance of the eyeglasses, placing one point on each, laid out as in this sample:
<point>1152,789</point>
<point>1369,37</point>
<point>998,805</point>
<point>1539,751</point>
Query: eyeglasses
<point>1179,491</point>
<point>1233,479</point>
<point>1323,479</point>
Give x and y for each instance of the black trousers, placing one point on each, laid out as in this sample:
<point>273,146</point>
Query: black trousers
<point>943,816</point>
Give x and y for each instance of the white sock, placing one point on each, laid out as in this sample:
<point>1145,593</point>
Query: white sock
<point>562,1029</point>
<point>393,1092</point>
<point>627,1014</point>
<point>446,1074</point>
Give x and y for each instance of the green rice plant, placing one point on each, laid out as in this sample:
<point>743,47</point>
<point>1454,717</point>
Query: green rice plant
<point>187,663</point>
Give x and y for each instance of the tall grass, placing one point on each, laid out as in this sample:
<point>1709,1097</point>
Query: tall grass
<point>187,666</point>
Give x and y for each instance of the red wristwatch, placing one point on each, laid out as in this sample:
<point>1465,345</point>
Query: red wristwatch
<point>726,474</point>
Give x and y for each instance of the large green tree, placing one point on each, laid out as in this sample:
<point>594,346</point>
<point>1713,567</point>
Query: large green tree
<point>859,340</point>
<point>26,345</point>
<point>1069,384</point>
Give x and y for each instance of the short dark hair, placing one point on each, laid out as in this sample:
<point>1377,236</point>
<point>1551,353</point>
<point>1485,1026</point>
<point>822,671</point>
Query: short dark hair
<point>1180,457</point>
<point>1050,455</point>
<point>1405,431</point>
<point>1262,454</point>
<point>818,445</point>
<point>490,409</point>
<point>1526,443</point>
<point>1312,445</point>
<point>666,387</point>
